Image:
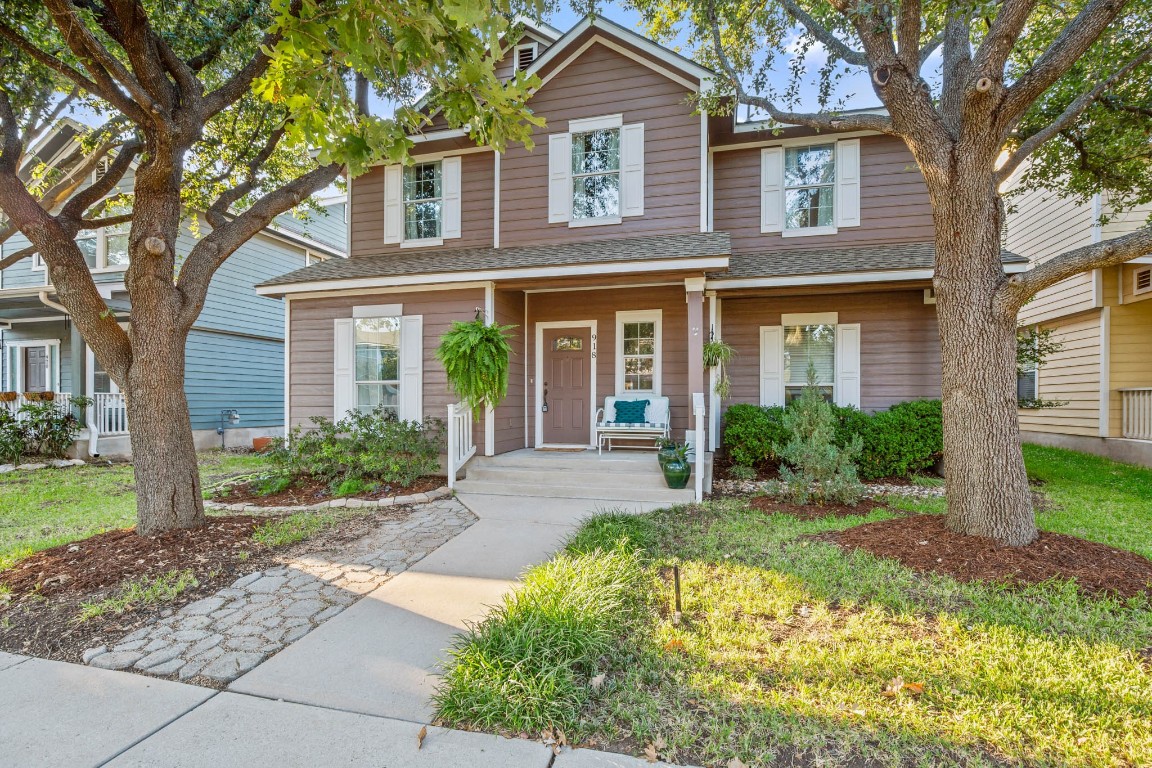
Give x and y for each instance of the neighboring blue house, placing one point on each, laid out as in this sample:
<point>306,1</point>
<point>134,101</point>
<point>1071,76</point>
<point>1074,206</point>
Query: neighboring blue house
<point>235,352</point>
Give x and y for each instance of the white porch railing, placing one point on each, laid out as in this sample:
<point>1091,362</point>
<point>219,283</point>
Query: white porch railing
<point>62,400</point>
<point>461,447</point>
<point>108,414</point>
<point>701,443</point>
<point>1136,409</point>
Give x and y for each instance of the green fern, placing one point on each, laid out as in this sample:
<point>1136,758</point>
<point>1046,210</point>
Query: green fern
<point>475,358</point>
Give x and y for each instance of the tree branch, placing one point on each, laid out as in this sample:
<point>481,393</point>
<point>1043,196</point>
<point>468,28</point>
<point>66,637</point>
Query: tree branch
<point>835,45</point>
<point>107,221</point>
<point>1068,116</point>
<point>827,121</point>
<point>1073,42</point>
<point>908,34</point>
<point>74,209</point>
<point>1018,288</point>
<point>53,63</point>
<point>1001,38</point>
<point>18,256</point>
<point>217,213</point>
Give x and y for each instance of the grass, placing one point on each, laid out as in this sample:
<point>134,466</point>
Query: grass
<point>136,594</point>
<point>294,528</point>
<point>48,507</point>
<point>788,645</point>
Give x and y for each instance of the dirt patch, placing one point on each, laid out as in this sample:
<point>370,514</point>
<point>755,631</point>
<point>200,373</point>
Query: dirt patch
<point>775,506</point>
<point>922,542</point>
<point>306,493</point>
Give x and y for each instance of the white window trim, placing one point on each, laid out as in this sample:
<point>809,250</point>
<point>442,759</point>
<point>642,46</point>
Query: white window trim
<point>602,123</point>
<point>14,374</point>
<point>101,267</point>
<point>776,372</point>
<point>424,242</point>
<point>363,315</point>
<point>780,188</point>
<point>808,231</point>
<point>655,316</point>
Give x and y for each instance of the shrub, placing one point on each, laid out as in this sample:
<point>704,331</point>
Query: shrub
<point>475,357</point>
<point>905,439</point>
<point>361,449</point>
<point>751,433</point>
<point>11,438</point>
<point>815,466</point>
<point>42,427</point>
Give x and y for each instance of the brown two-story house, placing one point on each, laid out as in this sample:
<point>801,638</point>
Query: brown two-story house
<point>634,231</point>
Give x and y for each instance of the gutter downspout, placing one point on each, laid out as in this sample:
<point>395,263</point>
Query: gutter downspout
<point>90,414</point>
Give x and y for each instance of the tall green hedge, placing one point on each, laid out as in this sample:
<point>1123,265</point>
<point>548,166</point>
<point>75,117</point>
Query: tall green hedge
<point>905,439</point>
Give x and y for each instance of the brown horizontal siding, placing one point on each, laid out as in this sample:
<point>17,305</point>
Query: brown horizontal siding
<point>477,176</point>
<point>509,415</point>
<point>899,342</point>
<point>602,306</point>
<point>603,82</point>
<point>312,331</point>
<point>894,204</point>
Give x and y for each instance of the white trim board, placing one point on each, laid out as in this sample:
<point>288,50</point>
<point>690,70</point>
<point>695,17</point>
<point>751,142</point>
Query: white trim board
<point>539,368</point>
<point>833,278</point>
<point>655,316</point>
<point>438,280</point>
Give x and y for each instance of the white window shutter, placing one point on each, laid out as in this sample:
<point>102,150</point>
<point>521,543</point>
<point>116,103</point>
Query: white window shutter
<point>632,170</point>
<point>772,189</point>
<point>344,369</point>
<point>559,177</point>
<point>412,367</point>
<point>771,365</point>
<point>848,183</point>
<point>450,170</point>
<point>847,389</point>
<point>393,204</point>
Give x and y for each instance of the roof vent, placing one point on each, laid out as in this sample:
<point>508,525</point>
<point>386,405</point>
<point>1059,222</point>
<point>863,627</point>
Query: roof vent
<point>525,55</point>
<point>1143,280</point>
<point>102,166</point>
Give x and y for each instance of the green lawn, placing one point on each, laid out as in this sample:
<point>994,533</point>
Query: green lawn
<point>788,645</point>
<point>53,506</point>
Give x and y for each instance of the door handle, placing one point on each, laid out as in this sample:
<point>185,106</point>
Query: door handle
<point>544,404</point>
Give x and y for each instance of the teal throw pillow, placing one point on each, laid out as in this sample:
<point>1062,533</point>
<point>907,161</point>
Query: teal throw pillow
<point>630,411</point>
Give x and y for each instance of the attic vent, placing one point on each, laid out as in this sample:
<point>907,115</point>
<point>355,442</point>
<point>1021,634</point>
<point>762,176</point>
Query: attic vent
<point>102,167</point>
<point>1143,280</point>
<point>525,55</point>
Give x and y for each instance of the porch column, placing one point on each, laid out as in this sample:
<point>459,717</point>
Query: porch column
<point>694,292</point>
<point>76,357</point>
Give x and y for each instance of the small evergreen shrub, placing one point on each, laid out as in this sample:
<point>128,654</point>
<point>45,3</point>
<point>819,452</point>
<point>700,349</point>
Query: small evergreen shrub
<point>361,449</point>
<point>752,432</point>
<point>906,439</point>
<point>816,468</point>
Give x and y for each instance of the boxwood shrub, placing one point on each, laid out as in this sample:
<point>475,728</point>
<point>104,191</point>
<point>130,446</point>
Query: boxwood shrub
<point>905,439</point>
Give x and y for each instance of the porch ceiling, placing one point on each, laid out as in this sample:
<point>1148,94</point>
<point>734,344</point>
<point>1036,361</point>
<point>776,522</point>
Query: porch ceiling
<point>29,307</point>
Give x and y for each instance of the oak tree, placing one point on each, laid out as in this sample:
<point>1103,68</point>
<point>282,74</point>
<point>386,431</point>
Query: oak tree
<point>976,90</point>
<point>225,114</point>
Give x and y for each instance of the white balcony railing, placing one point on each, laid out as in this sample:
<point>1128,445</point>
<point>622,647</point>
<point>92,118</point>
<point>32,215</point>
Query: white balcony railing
<point>62,400</point>
<point>461,447</point>
<point>108,415</point>
<point>699,412</point>
<point>1136,413</point>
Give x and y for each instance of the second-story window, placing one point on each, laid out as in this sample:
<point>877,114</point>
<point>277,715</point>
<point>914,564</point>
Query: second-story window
<point>596,174</point>
<point>423,201</point>
<point>105,248</point>
<point>810,186</point>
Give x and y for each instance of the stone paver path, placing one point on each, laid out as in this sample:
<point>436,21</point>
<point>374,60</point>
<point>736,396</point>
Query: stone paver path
<point>223,636</point>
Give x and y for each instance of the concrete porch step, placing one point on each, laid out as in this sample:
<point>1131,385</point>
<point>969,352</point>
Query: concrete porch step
<point>587,491</point>
<point>648,478</point>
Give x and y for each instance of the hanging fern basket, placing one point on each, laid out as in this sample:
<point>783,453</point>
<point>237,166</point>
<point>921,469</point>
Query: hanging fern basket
<point>475,357</point>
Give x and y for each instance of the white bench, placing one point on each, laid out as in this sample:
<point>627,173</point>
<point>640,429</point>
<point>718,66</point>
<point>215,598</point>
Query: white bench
<point>654,426</point>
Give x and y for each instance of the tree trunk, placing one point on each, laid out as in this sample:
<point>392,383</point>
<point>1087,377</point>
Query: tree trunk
<point>163,452</point>
<point>988,493</point>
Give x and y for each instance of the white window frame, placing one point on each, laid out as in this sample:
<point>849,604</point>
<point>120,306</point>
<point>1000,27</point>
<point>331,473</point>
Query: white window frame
<point>451,181</point>
<point>90,372</point>
<point>422,242</point>
<point>14,374</point>
<point>592,125</point>
<point>1034,370</point>
<point>846,186</point>
<point>397,382</point>
<point>655,316</point>
<point>534,47</point>
<point>847,381</point>
<point>785,188</point>
<point>102,266</point>
<point>630,173</point>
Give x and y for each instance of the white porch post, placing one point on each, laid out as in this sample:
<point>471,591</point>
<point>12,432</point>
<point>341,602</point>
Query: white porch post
<point>694,293</point>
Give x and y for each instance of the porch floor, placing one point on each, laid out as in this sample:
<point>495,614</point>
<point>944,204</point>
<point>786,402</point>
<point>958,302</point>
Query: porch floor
<point>622,474</point>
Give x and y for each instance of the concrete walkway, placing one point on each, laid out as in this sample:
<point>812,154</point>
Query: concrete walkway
<point>353,692</point>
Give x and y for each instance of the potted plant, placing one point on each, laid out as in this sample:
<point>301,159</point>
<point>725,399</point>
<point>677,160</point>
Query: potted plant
<point>475,357</point>
<point>665,450</point>
<point>717,354</point>
<point>677,469</point>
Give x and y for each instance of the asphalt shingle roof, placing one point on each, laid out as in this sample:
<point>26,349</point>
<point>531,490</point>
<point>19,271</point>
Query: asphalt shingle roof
<point>819,261</point>
<point>420,261</point>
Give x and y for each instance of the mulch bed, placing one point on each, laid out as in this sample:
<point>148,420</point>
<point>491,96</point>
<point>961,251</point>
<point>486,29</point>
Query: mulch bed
<point>774,506</point>
<point>315,492</point>
<point>922,542</point>
<point>49,587</point>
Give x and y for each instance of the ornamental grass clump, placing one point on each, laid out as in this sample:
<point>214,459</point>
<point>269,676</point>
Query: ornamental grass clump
<point>475,358</point>
<point>815,467</point>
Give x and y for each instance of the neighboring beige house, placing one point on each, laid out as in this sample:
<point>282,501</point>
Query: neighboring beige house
<point>634,231</point>
<point>1103,319</point>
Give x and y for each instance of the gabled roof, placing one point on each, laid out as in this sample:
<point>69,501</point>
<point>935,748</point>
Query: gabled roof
<point>466,262</point>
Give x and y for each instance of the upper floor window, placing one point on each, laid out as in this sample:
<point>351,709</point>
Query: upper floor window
<point>810,189</point>
<point>103,249</point>
<point>809,186</point>
<point>423,201</point>
<point>596,174</point>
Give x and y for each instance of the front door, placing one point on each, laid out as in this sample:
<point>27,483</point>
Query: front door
<point>567,386</point>
<point>35,369</point>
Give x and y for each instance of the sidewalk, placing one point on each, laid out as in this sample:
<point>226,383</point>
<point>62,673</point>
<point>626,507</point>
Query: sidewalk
<point>353,692</point>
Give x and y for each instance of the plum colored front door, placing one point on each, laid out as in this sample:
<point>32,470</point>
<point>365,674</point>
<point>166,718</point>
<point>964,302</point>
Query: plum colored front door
<point>566,405</point>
